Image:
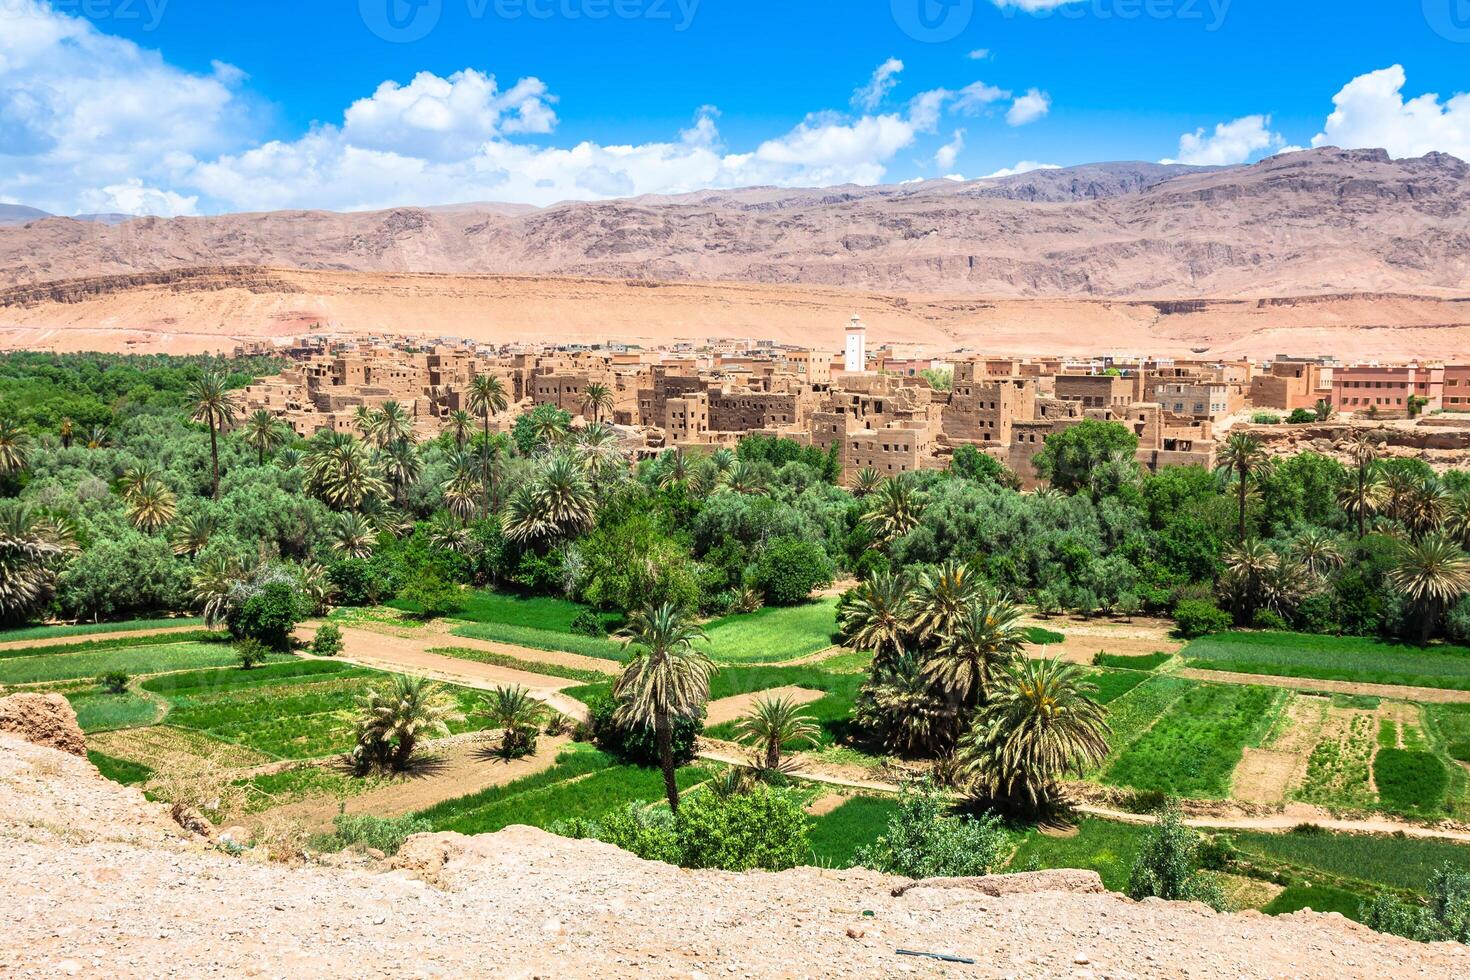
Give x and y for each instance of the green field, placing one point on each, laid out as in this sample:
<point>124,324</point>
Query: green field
<point>1339,658</point>
<point>1104,846</point>
<point>120,770</point>
<point>1113,684</point>
<point>520,663</point>
<point>1131,714</point>
<point>152,658</point>
<point>1411,781</point>
<point>773,634</point>
<point>535,612</point>
<point>859,821</point>
<point>1361,859</point>
<point>1151,662</point>
<point>1318,898</point>
<point>1194,747</point>
<point>99,711</point>
<point>833,713</point>
<point>87,629</point>
<point>84,645</point>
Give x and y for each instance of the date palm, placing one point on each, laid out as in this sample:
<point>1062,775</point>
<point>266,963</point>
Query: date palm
<point>67,430</point>
<point>399,462</point>
<point>1249,567</point>
<point>152,506</point>
<point>1040,723</point>
<point>487,398</point>
<point>868,480</point>
<point>597,399</point>
<point>564,496</point>
<point>451,535</point>
<point>364,419</point>
<point>136,477</point>
<point>340,469</point>
<point>1432,574</point>
<point>1243,458</point>
<point>903,708</point>
<point>674,469</point>
<point>392,424</point>
<point>32,549</point>
<point>984,642</point>
<point>263,433</point>
<point>211,404</point>
<point>15,447</point>
<point>462,495</point>
<point>517,716</point>
<point>98,437</point>
<point>1317,549</point>
<point>213,584</point>
<point>877,616</point>
<point>523,520</point>
<point>773,723</point>
<point>395,718</point>
<point>666,680</point>
<point>192,533</point>
<point>1427,508</point>
<point>459,423</point>
<point>744,478</point>
<point>941,598</point>
<point>353,536</point>
<point>893,510</point>
<point>1457,523</point>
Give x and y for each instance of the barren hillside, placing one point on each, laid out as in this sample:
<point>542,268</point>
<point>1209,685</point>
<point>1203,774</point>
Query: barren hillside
<point>94,881</point>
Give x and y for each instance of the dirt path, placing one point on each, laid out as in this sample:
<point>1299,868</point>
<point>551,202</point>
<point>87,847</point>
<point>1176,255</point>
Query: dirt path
<point>410,655</point>
<point>1267,774</point>
<point>729,709</point>
<point>1393,691</point>
<point>558,657</point>
<point>1084,639</point>
<point>61,641</point>
<point>457,769</point>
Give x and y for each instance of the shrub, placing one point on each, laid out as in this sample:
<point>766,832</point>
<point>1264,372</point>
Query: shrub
<point>588,623</point>
<point>1168,864</point>
<point>251,653</point>
<point>1302,416</point>
<point>1270,619</point>
<point>1266,418</point>
<point>114,681</point>
<point>1445,918</point>
<point>637,744</point>
<point>378,833</point>
<point>924,841</point>
<point>328,641</point>
<point>1195,618</point>
<point>1314,614</point>
<point>268,616</point>
<point>789,569</point>
<point>1457,623</point>
<point>765,829</point>
<point>432,594</point>
<point>641,829</point>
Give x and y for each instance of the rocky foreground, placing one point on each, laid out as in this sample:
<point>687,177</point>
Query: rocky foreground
<point>96,881</point>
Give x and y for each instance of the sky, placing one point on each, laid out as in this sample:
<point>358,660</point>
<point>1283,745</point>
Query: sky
<point>182,107</point>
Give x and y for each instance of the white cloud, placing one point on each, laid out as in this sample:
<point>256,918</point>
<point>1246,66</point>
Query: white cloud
<point>1024,167</point>
<point>1371,112</point>
<point>446,118</point>
<point>1028,108</point>
<point>946,155</point>
<point>976,96</point>
<point>134,197</point>
<point>1233,142</point>
<point>871,95</point>
<point>980,54</point>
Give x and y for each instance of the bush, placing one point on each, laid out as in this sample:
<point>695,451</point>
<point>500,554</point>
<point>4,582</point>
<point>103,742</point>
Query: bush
<point>641,829</point>
<point>378,833</point>
<point>1168,864</point>
<point>638,744</point>
<point>790,569</point>
<point>588,623</point>
<point>431,594</point>
<point>1457,623</point>
<point>1302,416</point>
<point>1315,614</point>
<point>924,841</point>
<point>1446,917</point>
<point>765,829</point>
<point>328,641</point>
<point>114,681</point>
<point>1270,619</point>
<point>251,653</point>
<point>1196,618</point>
<point>1266,418</point>
<point>268,616</point>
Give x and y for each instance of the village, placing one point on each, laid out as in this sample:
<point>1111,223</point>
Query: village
<point>886,409</point>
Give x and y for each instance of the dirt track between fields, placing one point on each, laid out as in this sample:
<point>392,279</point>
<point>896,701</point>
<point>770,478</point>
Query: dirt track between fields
<point>61,641</point>
<point>1397,692</point>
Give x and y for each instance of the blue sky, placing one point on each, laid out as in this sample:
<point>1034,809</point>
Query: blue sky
<point>197,106</point>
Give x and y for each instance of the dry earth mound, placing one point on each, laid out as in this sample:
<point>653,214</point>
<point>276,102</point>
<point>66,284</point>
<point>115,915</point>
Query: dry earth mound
<point>95,881</point>
<point>45,719</point>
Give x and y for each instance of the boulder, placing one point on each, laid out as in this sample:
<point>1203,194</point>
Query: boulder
<point>43,719</point>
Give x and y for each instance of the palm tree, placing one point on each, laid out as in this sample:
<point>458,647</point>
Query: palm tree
<point>985,641</point>
<point>68,431</point>
<point>191,535</point>
<point>1242,458</point>
<point>744,478</point>
<point>317,586</point>
<point>548,429</point>
<point>877,617</point>
<point>666,680</point>
<point>452,535</point>
<point>263,433</point>
<point>902,707</point>
<point>136,477</point>
<point>213,584</point>
<point>893,511</point>
<point>596,399</point>
<point>1249,567</point>
<point>771,724</point>
<point>1457,523</point>
<point>1040,723</point>
<point>523,520</point>
<point>462,495</point>
<point>941,599</point>
<point>867,482</point>
<point>31,550</point>
<point>1324,410</point>
<point>396,717</point>
<point>487,398</point>
<point>1317,549</point>
<point>1432,574</point>
<point>674,469</point>
<point>564,496</point>
<point>392,424</point>
<point>152,506</point>
<point>459,425</point>
<point>399,462</point>
<point>15,447</point>
<point>210,403</point>
<point>1363,497</point>
<point>366,422</point>
<point>342,472</point>
<point>518,716</point>
<point>353,536</point>
<point>1427,508</point>
<point>97,437</point>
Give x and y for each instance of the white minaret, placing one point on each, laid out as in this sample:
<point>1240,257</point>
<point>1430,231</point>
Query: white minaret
<point>857,346</point>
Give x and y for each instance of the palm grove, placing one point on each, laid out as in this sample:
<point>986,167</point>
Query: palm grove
<point>135,486</point>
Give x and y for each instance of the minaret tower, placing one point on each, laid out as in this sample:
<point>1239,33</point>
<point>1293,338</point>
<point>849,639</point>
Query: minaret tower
<point>857,346</point>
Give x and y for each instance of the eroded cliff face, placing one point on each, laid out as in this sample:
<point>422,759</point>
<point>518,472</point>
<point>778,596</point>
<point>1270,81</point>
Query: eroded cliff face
<point>95,880</point>
<point>1318,221</point>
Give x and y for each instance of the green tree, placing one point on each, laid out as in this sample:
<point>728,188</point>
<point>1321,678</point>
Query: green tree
<point>487,398</point>
<point>1167,865</point>
<point>892,511</point>
<point>32,549</point>
<point>877,615</point>
<point>518,716</point>
<point>773,723</point>
<point>597,399</point>
<point>211,404</point>
<point>1432,574</point>
<point>14,447</point>
<point>790,569</point>
<point>263,433</point>
<point>971,464</point>
<point>666,679</point>
<point>1072,458</point>
<point>924,840</point>
<point>394,718</point>
<point>985,641</point>
<point>765,829</point>
<point>1242,459</point>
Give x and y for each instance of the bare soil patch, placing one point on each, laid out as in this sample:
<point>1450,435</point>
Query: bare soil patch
<point>1433,695</point>
<point>1268,774</point>
<point>163,748</point>
<point>1085,638</point>
<point>825,804</point>
<point>729,709</point>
